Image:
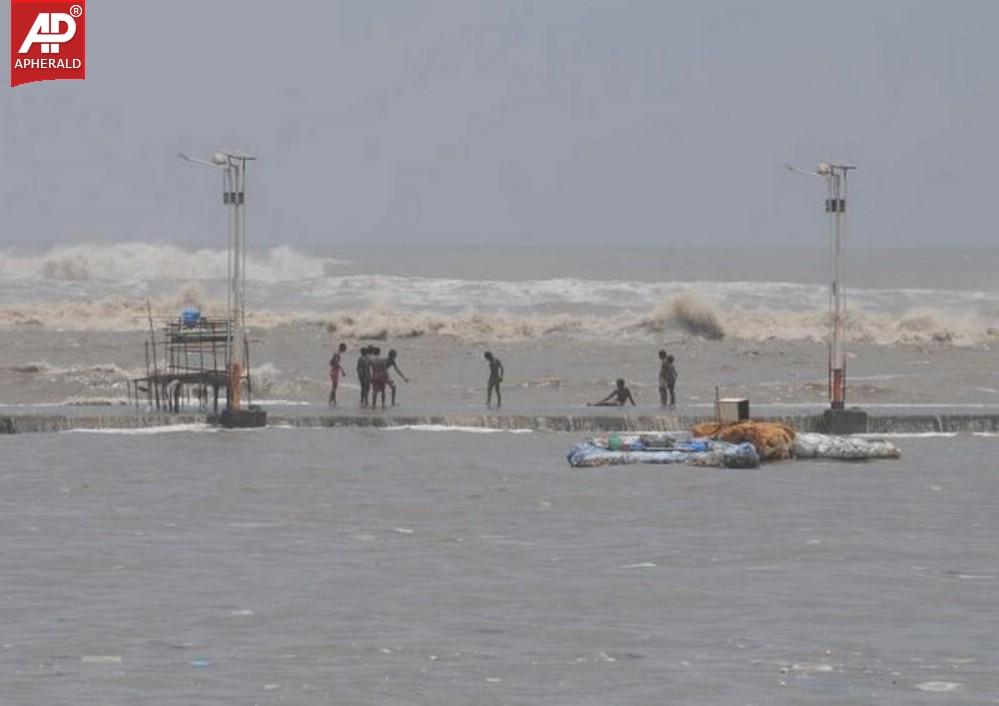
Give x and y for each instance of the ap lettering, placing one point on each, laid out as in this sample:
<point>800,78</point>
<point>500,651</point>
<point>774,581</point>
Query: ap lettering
<point>47,31</point>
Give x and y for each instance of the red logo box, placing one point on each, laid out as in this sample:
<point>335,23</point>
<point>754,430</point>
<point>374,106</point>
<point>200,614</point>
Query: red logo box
<point>47,40</point>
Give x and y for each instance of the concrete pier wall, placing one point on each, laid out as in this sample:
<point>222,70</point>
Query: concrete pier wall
<point>500,421</point>
<point>896,423</point>
<point>34,423</point>
<point>886,424</point>
<point>923,423</point>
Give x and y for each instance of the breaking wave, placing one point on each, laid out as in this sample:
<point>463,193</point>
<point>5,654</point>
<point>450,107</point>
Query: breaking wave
<point>105,287</point>
<point>689,312</point>
<point>686,314</point>
<point>680,316</point>
<point>88,375</point>
<point>118,313</point>
<point>105,384</point>
<point>129,262</point>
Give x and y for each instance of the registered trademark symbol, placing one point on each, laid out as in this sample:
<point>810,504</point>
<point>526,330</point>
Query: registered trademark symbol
<point>75,11</point>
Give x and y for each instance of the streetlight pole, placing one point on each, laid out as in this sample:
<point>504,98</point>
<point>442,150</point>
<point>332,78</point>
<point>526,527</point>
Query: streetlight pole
<point>232,164</point>
<point>836,190</point>
<point>235,198</point>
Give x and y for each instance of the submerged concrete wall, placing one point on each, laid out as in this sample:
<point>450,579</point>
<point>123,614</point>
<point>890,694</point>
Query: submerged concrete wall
<point>922,423</point>
<point>32,423</point>
<point>492,421</point>
<point>896,423</point>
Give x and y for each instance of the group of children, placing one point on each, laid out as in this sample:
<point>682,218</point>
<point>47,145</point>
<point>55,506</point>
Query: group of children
<point>373,376</point>
<point>621,395</point>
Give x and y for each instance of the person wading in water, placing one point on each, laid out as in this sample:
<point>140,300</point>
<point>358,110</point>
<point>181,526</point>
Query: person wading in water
<point>336,370</point>
<point>495,378</point>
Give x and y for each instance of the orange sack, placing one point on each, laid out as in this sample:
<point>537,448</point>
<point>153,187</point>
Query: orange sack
<point>772,440</point>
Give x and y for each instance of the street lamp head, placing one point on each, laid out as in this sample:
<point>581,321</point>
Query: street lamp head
<point>220,158</point>
<point>824,169</point>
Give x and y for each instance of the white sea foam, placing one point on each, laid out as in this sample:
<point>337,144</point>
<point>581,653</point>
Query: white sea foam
<point>78,401</point>
<point>282,403</point>
<point>938,687</point>
<point>100,659</point>
<point>929,405</point>
<point>911,435</point>
<point>197,428</point>
<point>444,427</point>
<point>812,406</point>
<point>813,668</point>
<point>31,405</point>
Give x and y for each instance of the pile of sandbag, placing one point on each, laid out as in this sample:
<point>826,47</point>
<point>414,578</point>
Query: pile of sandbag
<point>843,448</point>
<point>773,440</point>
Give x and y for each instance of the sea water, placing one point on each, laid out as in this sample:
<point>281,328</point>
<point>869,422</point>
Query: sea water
<point>361,566</point>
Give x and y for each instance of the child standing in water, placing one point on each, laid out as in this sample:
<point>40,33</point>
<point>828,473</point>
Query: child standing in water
<point>663,377</point>
<point>390,364</point>
<point>495,378</point>
<point>671,380</point>
<point>617,398</point>
<point>336,370</point>
<point>364,374</point>
<point>379,377</point>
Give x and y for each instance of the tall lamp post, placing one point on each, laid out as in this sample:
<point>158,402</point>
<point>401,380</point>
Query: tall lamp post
<point>836,176</point>
<point>232,164</point>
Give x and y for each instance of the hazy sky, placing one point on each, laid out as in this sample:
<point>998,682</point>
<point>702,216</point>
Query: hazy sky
<point>494,122</point>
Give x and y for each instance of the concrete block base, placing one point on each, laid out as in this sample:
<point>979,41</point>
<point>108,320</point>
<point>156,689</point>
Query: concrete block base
<point>845,421</point>
<point>241,418</point>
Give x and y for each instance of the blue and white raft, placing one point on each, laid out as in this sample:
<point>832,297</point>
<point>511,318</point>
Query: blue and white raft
<point>661,448</point>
